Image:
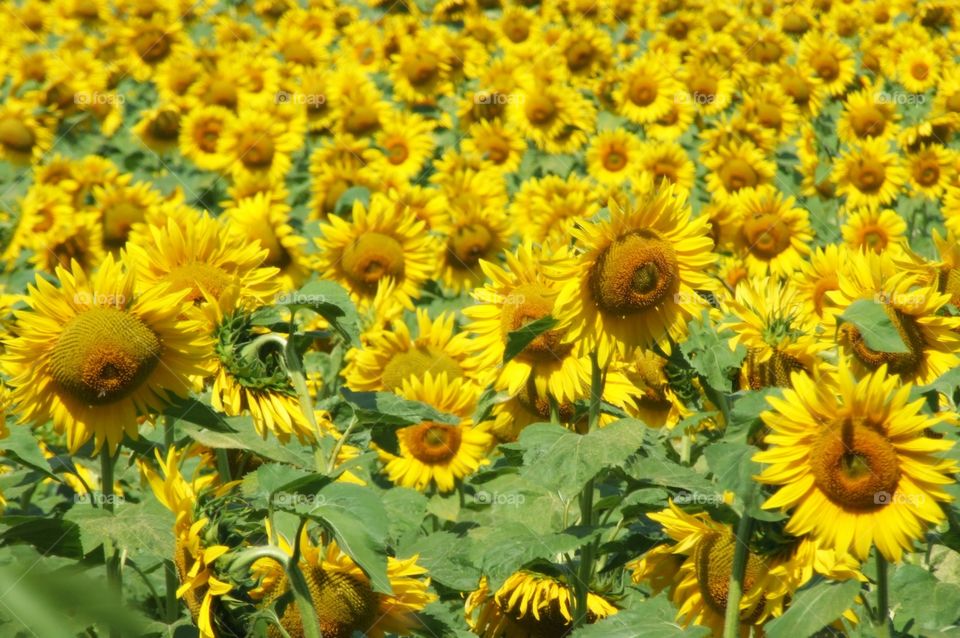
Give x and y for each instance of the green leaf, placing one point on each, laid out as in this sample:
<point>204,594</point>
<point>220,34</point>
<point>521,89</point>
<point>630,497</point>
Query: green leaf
<point>22,447</point>
<point>651,618</point>
<point>144,530</point>
<point>331,301</point>
<point>564,461</point>
<point>353,194</point>
<point>503,549</point>
<point>813,609</point>
<point>196,411</point>
<point>49,535</point>
<point>445,555</point>
<point>929,603</point>
<point>389,409</point>
<point>710,355</point>
<point>246,438</point>
<point>520,338</point>
<point>733,468</point>
<point>878,331</point>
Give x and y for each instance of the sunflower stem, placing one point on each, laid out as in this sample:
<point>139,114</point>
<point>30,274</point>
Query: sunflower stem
<point>223,465</point>
<point>172,607</point>
<point>332,463</point>
<point>741,553</point>
<point>883,598</point>
<point>110,554</point>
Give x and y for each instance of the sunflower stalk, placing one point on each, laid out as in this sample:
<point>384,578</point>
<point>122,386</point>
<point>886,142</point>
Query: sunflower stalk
<point>882,619</point>
<point>741,553</point>
<point>588,516</point>
<point>110,554</point>
<point>171,582</point>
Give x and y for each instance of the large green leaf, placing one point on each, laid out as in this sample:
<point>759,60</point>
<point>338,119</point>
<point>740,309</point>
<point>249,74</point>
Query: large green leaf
<point>143,530</point>
<point>651,618</point>
<point>520,338</point>
<point>813,609</point>
<point>875,326</point>
<point>331,301</point>
<point>710,354</point>
<point>924,602</point>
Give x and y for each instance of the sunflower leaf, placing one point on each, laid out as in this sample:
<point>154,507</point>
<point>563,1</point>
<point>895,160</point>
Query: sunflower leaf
<point>651,618</point>
<point>522,337</point>
<point>708,351</point>
<point>813,609</point>
<point>875,326</point>
<point>331,301</point>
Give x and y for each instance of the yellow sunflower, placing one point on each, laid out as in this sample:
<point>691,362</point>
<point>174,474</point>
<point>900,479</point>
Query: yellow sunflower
<point>774,234</point>
<point>92,356</point>
<point>918,69</point>
<point>545,209</point>
<point>867,114</point>
<point>258,144</point>
<point>647,89</point>
<point>931,168</point>
<point>407,142</point>
<point>876,230</point>
<point>122,206</point>
<point>472,236</point>
<point>737,166</point>
<point>200,131</point>
<point>72,237</point>
<point>667,163</point>
<point>830,60</point>
<point>420,69</point>
<point>869,175</point>
<point>820,274</point>
<point>529,604</point>
<point>652,400</point>
<point>375,244</point>
<point>192,557</point>
<point>343,597</point>
<point>629,285</point>
<point>613,157</point>
<point>854,463</point>
<point>23,137</point>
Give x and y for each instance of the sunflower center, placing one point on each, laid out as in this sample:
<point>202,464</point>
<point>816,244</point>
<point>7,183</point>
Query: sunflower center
<point>539,405</point>
<point>868,175</point>
<point>540,109</point>
<point>371,257</point>
<point>421,68</point>
<point>16,135</point>
<point>297,51</point>
<point>897,362</point>
<point>183,561</point>
<point>737,173</point>
<point>344,605</point>
<point>207,136</point>
<point>415,362</point>
<point>579,55</point>
<point>875,239</point>
<point>704,88</point>
<point>468,245</point>
<point>927,171</point>
<point>798,89</point>
<point>361,119</point>
<point>853,463</point>
<point>397,153</point>
<point>637,271</point>
<point>614,160</point>
<point>165,126</point>
<point>117,220</point>
<point>516,28</point>
<point>953,102</point>
<point>774,372</point>
<point>497,150</point>
<point>104,354</point>
<point>433,443</point>
<point>222,93</point>
<point>767,235</point>
<point>152,44</point>
<point>950,284</point>
<point>919,70</point>
<point>714,563</point>
<point>257,150</point>
<point>767,52</point>
<point>198,277</point>
<point>825,65</point>
<point>524,305</point>
<point>868,122</point>
<point>768,115</point>
<point>643,91</point>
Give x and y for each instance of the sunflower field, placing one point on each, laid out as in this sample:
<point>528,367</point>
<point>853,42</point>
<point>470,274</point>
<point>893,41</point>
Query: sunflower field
<point>492,318</point>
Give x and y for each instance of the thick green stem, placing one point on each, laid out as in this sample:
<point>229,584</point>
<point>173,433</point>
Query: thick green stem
<point>110,554</point>
<point>741,553</point>
<point>883,598</point>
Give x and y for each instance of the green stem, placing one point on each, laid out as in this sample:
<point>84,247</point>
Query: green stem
<point>332,463</point>
<point>741,553</point>
<point>883,598</point>
<point>172,607</point>
<point>110,554</point>
<point>223,465</point>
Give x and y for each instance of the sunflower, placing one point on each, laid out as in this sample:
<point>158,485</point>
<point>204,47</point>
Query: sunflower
<point>647,89</point>
<point>193,559</point>
<point>737,166</point>
<point>931,168</point>
<point>358,104</point>
<point>473,236</point>
<point>159,128</point>
<point>516,296</point>
<point>778,331</point>
<point>260,218</point>
<point>545,209</point>
<point>829,59</point>
<point>72,237</point>
<point>40,209</point>
<point>343,596</point>
<point>407,142</point>
<point>867,114</point>
<point>200,131</point>
<point>256,143</point>
<point>438,454</point>
<point>708,86</point>
<point>543,112</point>
<point>774,233</point>
<point>500,145</point>
<point>391,356</point>
<point>876,230</point>
<point>652,400</point>
<point>854,463</point>
<point>24,138</point>
<point>667,163</point>
<point>529,604</point>
<point>869,175</point>
<point>122,206</point>
<point>200,256</point>
<point>375,244</point>
<point>613,157</point>
<point>420,69</point>
<point>93,357</point>
<point>147,43</point>
<point>771,107</point>
<point>627,287</point>
<point>932,341</point>
<point>918,69</point>
<point>696,569</point>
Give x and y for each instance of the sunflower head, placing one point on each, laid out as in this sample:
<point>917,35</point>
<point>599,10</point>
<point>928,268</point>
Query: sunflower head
<point>637,271</point>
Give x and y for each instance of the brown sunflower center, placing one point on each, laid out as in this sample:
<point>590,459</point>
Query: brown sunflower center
<point>797,88</point>
<point>16,135</point>
<point>421,68</point>
<point>714,563</point>
<point>766,234</point>
<point>774,372</point>
<point>737,173</point>
<point>643,91</point>
<point>207,135</point>
<point>768,115</point>
<point>104,354</point>
<point>525,304</point>
<point>540,109</point>
<point>497,150</point>
<point>825,65</point>
<point>539,405</point>
<point>468,245</point>
<point>415,362</point>
<point>795,24</point>
<point>117,220</point>
<point>198,277</point>
<point>371,257</point>
<point>637,271</point>
<point>853,464</point>
<point>517,28</point>
<point>297,52</point>
<point>257,150</point>
<point>222,93</point>
<point>361,119</point>
<point>614,160</point>
<point>926,171</point>
<point>152,44</point>
<point>920,70</point>
<point>433,443</point>
<point>953,102</point>
<point>344,605</point>
<point>897,362</point>
<point>397,152</point>
<point>165,126</point>
<point>868,174</point>
<point>183,561</point>
<point>950,284</point>
<point>704,88</point>
<point>875,238</point>
<point>580,55</point>
<point>869,121</point>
